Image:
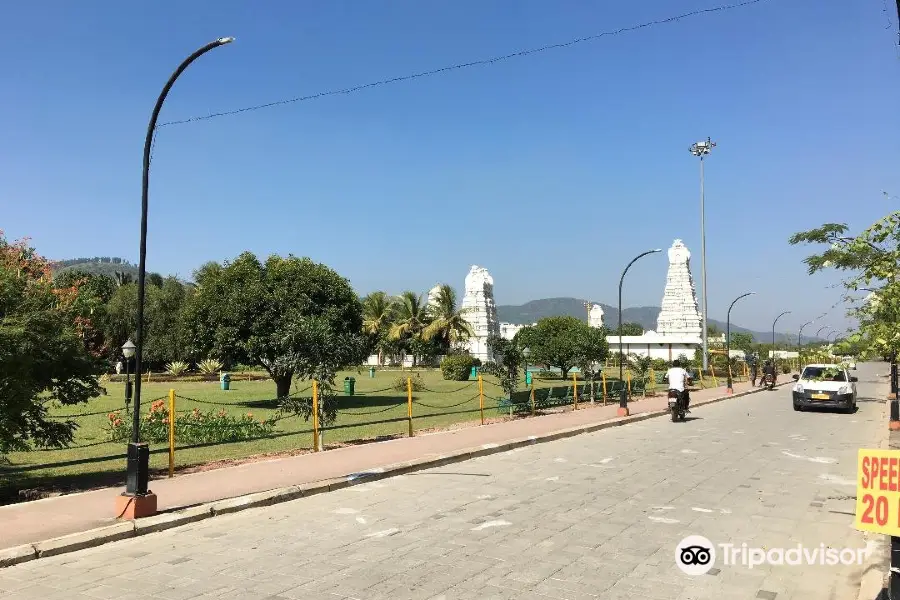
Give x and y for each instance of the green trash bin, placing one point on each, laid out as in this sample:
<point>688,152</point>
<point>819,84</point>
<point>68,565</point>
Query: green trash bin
<point>372,372</point>
<point>474,373</point>
<point>527,377</point>
<point>226,381</point>
<point>349,386</point>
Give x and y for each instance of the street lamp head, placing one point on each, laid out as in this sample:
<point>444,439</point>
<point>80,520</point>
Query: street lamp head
<point>128,348</point>
<point>225,40</point>
<point>657,250</point>
<point>526,352</point>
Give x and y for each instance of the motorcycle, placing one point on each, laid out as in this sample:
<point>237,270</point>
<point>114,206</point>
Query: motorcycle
<point>676,405</point>
<point>769,381</point>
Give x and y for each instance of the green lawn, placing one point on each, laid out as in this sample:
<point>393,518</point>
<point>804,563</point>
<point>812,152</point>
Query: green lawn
<point>377,410</point>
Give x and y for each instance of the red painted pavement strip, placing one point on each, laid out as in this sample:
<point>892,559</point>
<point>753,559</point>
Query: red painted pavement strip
<point>32,522</point>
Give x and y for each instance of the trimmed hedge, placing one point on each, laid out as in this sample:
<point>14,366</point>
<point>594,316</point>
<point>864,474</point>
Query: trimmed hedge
<point>457,367</point>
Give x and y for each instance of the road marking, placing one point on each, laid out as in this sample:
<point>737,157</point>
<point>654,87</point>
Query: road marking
<point>688,451</point>
<point>491,524</point>
<point>361,520</point>
<point>664,520</point>
<point>484,497</point>
<point>737,431</point>
<point>725,511</point>
<point>835,479</point>
<point>659,508</point>
<point>345,511</point>
<point>816,459</point>
<point>385,533</point>
<point>703,510</point>
<point>556,478</point>
<point>603,461</point>
<point>560,460</point>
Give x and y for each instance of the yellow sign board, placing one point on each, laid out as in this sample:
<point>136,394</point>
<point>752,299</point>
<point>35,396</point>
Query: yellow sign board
<point>878,491</point>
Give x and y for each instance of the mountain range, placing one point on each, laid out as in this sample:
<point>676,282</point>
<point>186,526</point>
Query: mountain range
<point>646,316</point>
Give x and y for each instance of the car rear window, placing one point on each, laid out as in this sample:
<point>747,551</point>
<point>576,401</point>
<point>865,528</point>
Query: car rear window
<point>823,374</point>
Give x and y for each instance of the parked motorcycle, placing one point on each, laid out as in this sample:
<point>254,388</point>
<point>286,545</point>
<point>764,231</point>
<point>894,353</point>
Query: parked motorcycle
<point>676,405</point>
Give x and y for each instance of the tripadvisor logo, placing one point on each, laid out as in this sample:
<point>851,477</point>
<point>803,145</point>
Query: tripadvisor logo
<point>696,555</point>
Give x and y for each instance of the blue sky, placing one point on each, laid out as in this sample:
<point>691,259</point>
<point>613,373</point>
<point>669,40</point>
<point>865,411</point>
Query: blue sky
<point>552,170</point>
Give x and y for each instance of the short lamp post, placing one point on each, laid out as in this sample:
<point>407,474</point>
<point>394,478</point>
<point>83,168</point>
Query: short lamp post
<point>623,395</point>
<point>128,352</point>
<point>730,388</point>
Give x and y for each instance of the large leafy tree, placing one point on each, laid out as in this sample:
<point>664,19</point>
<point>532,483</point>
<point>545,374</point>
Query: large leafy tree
<point>564,342</point>
<point>92,292</point>
<point>378,311</point>
<point>43,358</point>
<point>870,260</point>
<point>448,322</point>
<point>630,329</point>
<point>742,341</point>
<point>291,315</point>
<point>164,320</point>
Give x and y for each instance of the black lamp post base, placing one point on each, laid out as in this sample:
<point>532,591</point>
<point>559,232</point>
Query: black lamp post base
<point>138,469</point>
<point>623,404</point>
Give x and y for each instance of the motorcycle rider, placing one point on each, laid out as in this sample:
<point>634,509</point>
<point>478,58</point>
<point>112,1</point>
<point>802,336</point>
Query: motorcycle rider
<point>678,380</point>
<point>769,369</point>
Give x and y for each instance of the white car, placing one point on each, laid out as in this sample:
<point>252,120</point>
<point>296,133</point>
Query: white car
<point>850,362</point>
<point>826,386</point>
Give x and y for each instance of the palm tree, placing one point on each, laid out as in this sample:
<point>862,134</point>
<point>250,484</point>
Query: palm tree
<point>410,318</point>
<point>447,322</point>
<point>377,312</point>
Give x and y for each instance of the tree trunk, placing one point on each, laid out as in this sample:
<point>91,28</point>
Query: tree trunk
<point>283,384</point>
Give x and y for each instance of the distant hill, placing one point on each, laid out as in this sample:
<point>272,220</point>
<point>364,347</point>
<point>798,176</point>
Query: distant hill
<point>530,312</point>
<point>98,265</point>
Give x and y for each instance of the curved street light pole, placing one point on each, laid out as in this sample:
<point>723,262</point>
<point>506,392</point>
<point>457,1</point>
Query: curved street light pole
<point>787,312</point>
<point>623,395</point>
<point>821,329</point>
<point>799,343</point>
<point>139,453</point>
<point>730,388</point>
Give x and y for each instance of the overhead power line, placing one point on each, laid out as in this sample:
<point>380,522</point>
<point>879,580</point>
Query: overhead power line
<point>465,65</point>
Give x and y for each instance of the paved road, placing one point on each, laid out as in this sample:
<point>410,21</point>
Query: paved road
<point>592,516</point>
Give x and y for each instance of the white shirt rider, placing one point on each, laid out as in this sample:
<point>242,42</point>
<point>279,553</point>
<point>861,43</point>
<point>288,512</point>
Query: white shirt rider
<point>677,378</point>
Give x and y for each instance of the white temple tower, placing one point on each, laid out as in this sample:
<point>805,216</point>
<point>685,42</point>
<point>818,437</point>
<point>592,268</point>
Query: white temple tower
<point>595,316</point>
<point>679,314</point>
<point>480,311</point>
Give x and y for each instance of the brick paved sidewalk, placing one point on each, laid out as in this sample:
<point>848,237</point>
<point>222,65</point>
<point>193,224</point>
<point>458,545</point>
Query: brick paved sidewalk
<point>40,520</point>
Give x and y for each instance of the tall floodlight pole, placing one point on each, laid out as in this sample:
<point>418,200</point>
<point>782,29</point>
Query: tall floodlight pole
<point>701,149</point>
<point>730,388</point>
<point>137,501</point>
<point>623,395</point>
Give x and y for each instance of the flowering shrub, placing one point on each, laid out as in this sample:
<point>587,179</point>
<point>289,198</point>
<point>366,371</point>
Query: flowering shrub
<point>194,427</point>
